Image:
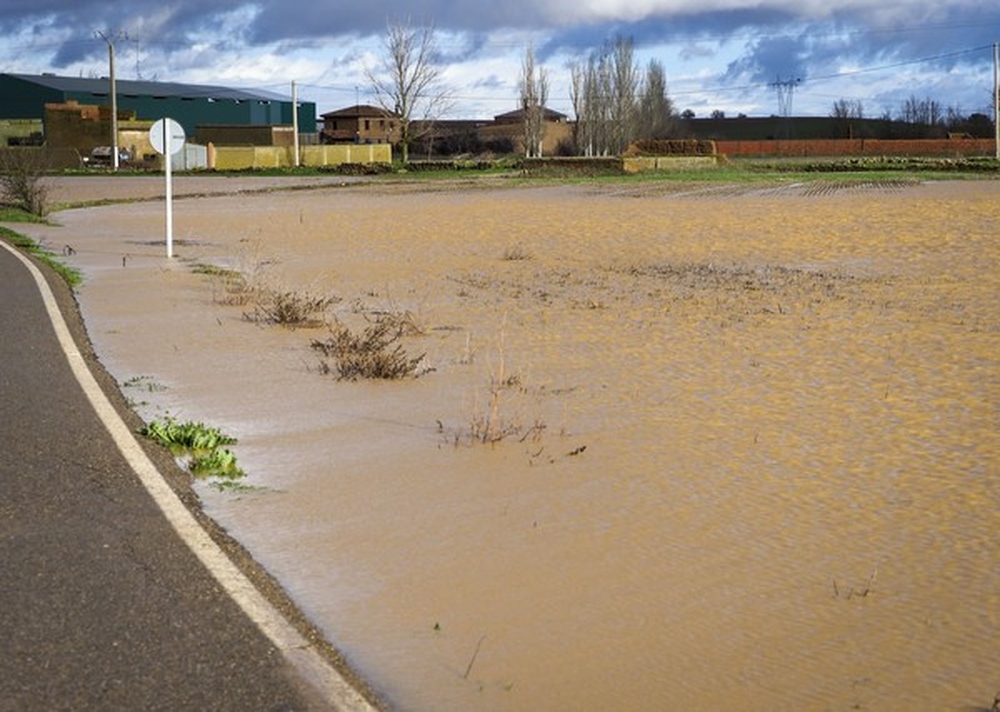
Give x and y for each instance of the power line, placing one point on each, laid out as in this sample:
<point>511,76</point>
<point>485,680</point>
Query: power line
<point>705,88</point>
<point>896,65</point>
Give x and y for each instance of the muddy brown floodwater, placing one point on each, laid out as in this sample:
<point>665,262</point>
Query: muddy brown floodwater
<point>753,449</point>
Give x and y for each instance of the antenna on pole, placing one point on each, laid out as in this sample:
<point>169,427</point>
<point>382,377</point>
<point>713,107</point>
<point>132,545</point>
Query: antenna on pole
<point>110,38</point>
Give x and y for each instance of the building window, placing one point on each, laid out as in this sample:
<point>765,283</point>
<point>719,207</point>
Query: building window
<point>368,125</point>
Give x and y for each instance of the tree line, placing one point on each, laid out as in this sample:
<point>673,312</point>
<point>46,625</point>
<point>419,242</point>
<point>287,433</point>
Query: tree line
<point>917,118</point>
<point>615,101</point>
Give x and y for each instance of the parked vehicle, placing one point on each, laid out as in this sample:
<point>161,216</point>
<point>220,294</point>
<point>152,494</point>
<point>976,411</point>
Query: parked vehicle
<point>102,156</point>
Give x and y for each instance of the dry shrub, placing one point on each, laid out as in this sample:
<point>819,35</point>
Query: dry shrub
<point>491,422</point>
<point>375,353</point>
<point>288,308</point>
<point>516,253</point>
<point>22,172</point>
<point>406,322</point>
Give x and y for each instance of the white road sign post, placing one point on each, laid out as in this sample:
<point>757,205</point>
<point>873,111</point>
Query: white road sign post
<point>167,137</point>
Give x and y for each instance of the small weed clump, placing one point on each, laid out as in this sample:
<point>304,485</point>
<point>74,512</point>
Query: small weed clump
<point>403,321</point>
<point>516,253</point>
<point>375,353</point>
<point>230,287</point>
<point>290,309</point>
<point>142,384</point>
<point>490,422</point>
<point>270,306</point>
<point>145,383</point>
<point>203,446</point>
<point>71,276</point>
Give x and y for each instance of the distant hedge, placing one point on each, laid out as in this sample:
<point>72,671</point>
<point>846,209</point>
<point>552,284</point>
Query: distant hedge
<point>672,147</point>
<point>557,167</point>
<point>357,169</point>
<point>885,163</point>
<point>455,165</point>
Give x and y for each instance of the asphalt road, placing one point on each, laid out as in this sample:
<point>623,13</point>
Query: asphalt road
<point>103,606</point>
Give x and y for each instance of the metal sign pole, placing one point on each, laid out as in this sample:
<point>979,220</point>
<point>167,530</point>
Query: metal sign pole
<point>167,136</point>
<point>169,189</point>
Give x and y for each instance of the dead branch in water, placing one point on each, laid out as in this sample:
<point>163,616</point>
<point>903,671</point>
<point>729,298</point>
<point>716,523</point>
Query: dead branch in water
<point>472,660</point>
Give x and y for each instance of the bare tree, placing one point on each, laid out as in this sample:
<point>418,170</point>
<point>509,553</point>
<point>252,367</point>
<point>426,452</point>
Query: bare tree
<point>534,96</point>
<point>22,183</point>
<point>925,112</point>
<point>847,109</point>
<point>591,89</point>
<point>408,82</point>
<point>605,94</point>
<point>844,113</point>
<point>624,88</point>
<point>656,110</point>
<point>577,82</point>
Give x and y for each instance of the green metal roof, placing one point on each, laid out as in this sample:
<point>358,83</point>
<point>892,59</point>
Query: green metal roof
<point>147,88</point>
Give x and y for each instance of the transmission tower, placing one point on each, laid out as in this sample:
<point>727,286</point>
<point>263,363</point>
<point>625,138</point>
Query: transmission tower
<point>785,88</point>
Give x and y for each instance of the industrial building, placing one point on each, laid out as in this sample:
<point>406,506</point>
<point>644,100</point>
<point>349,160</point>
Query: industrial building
<point>24,96</point>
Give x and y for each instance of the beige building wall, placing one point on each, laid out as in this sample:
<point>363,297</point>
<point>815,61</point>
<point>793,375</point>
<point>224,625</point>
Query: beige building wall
<point>555,133</point>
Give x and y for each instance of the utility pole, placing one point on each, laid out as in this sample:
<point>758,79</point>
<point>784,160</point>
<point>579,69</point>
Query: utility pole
<point>996,99</point>
<point>295,123</point>
<point>110,38</point>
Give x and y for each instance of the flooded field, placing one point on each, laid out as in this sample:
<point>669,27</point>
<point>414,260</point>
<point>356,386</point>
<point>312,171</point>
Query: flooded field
<point>750,452</point>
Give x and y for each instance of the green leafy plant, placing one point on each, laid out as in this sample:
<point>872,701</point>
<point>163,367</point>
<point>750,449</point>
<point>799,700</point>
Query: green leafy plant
<point>215,271</point>
<point>203,447</point>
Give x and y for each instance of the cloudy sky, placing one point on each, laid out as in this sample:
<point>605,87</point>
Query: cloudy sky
<point>725,55</point>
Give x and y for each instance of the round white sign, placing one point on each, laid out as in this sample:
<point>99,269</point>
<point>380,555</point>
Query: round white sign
<point>167,133</point>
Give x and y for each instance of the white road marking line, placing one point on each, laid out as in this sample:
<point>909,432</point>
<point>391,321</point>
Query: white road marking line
<point>296,649</point>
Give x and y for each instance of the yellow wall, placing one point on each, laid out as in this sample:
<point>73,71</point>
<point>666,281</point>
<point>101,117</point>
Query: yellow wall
<point>641,164</point>
<point>335,154</point>
<point>19,128</point>
<point>241,157</point>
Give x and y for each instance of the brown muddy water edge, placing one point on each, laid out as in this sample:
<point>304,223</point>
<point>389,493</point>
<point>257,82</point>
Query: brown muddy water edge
<point>754,442</point>
<point>78,190</point>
